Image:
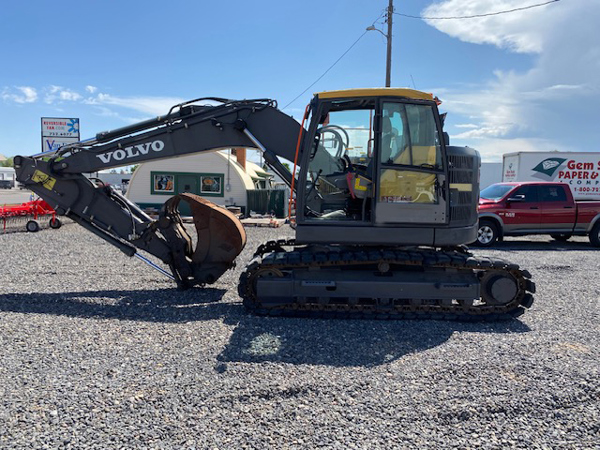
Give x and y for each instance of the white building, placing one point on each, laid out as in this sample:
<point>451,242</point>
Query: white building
<point>8,174</point>
<point>223,177</point>
<point>113,178</point>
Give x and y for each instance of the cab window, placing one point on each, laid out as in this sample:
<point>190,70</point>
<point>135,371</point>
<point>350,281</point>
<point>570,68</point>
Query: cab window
<point>410,154</point>
<point>529,194</point>
<point>553,194</point>
<point>409,136</point>
<point>337,185</point>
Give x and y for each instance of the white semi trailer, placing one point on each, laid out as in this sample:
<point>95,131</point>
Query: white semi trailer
<point>580,170</point>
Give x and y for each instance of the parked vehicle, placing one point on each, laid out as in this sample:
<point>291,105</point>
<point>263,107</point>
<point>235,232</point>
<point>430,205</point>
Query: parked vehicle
<point>579,170</point>
<point>518,209</point>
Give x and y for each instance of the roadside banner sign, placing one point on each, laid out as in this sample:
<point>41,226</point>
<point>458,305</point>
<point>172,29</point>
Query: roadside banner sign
<point>52,144</point>
<point>57,132</point>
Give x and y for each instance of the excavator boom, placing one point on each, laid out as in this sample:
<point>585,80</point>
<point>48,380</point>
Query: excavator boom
<point>188,128</point>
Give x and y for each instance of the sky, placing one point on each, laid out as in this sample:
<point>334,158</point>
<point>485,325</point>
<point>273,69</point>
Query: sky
<point>523,81</point>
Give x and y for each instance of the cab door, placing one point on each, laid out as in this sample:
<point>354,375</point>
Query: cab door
<point>410,168</point>
<point>523,213</point>
<point>558,212</point>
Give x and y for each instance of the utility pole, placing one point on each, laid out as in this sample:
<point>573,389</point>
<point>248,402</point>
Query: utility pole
<point>388,65</point>
<point>388,37</point>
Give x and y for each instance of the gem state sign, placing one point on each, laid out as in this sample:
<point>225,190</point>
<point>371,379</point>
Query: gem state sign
<point>549,166</point>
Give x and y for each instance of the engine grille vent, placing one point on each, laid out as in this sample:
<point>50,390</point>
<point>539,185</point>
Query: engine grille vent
<point>461,214</point>
<point>463,208</point>
<point>461,162</point>
<point>461,176</point>
<point>465,198</point>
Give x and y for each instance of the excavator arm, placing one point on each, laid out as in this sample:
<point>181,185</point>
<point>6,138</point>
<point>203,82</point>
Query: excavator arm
<point>188,128</point>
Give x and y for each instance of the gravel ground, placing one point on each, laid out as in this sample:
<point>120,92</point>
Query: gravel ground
<point>99,351</point>
<point>14,196</point>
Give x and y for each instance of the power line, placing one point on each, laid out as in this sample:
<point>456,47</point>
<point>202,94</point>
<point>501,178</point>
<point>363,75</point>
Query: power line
<point>332,66</point>
<point>477,15</point>
<point>414,17</point>
<point>325,73</point>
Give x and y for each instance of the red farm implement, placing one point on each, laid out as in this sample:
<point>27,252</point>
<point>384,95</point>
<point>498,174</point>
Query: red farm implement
<point>29,214</point>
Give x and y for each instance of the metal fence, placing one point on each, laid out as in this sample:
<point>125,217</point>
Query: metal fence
<point>268,201</point>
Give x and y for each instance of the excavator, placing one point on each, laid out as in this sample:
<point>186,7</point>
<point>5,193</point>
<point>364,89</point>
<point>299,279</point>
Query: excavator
<point>384,206</point>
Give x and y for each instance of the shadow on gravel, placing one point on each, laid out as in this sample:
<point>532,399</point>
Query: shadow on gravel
<point>343,343</point>
<point>361,343</point>
<point>162,305</point>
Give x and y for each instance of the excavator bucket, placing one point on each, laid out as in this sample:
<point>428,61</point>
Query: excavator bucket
<point>221,238</point>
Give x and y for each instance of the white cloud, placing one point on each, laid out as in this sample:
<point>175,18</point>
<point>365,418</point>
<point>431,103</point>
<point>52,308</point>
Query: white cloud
<point>58,94</point>
<point>25,94</point>
<point>106,104</point>
<point>484,131</point>
<point>565,87</point>
<point>155,106</point>
<point>552,103</point>
<point>126,109</point>
<point>103,111</point>
<point>69,95</point>
<point>512,31</point>
<point>491,150</point>
<point>495,115</point>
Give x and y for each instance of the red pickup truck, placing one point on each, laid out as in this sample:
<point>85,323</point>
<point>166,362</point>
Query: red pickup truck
<point>518,209</point>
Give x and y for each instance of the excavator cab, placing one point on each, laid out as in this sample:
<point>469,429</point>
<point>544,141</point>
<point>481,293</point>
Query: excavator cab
<point>376,162</point>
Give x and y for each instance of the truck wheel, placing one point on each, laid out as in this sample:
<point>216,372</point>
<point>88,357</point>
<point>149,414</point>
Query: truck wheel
<point>32,226</point>
<point>487,234</point>
<point>55,223</point>
<point>595,235</point>
<point>561,237</point>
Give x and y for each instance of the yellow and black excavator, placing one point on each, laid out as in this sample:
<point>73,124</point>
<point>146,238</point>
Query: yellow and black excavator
<point>384,206</point>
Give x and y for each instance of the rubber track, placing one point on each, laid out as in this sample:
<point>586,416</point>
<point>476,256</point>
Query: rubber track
<point>272,255</point>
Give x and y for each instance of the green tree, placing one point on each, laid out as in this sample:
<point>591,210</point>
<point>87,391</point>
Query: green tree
<point>266,167</point>
<point>8,162</point>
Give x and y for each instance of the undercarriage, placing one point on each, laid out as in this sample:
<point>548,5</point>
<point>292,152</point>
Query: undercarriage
<point>383,283</point>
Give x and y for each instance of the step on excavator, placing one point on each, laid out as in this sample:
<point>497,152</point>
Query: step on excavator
<point>384,207</point>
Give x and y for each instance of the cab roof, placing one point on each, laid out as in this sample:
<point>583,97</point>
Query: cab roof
<point>377,92</point>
